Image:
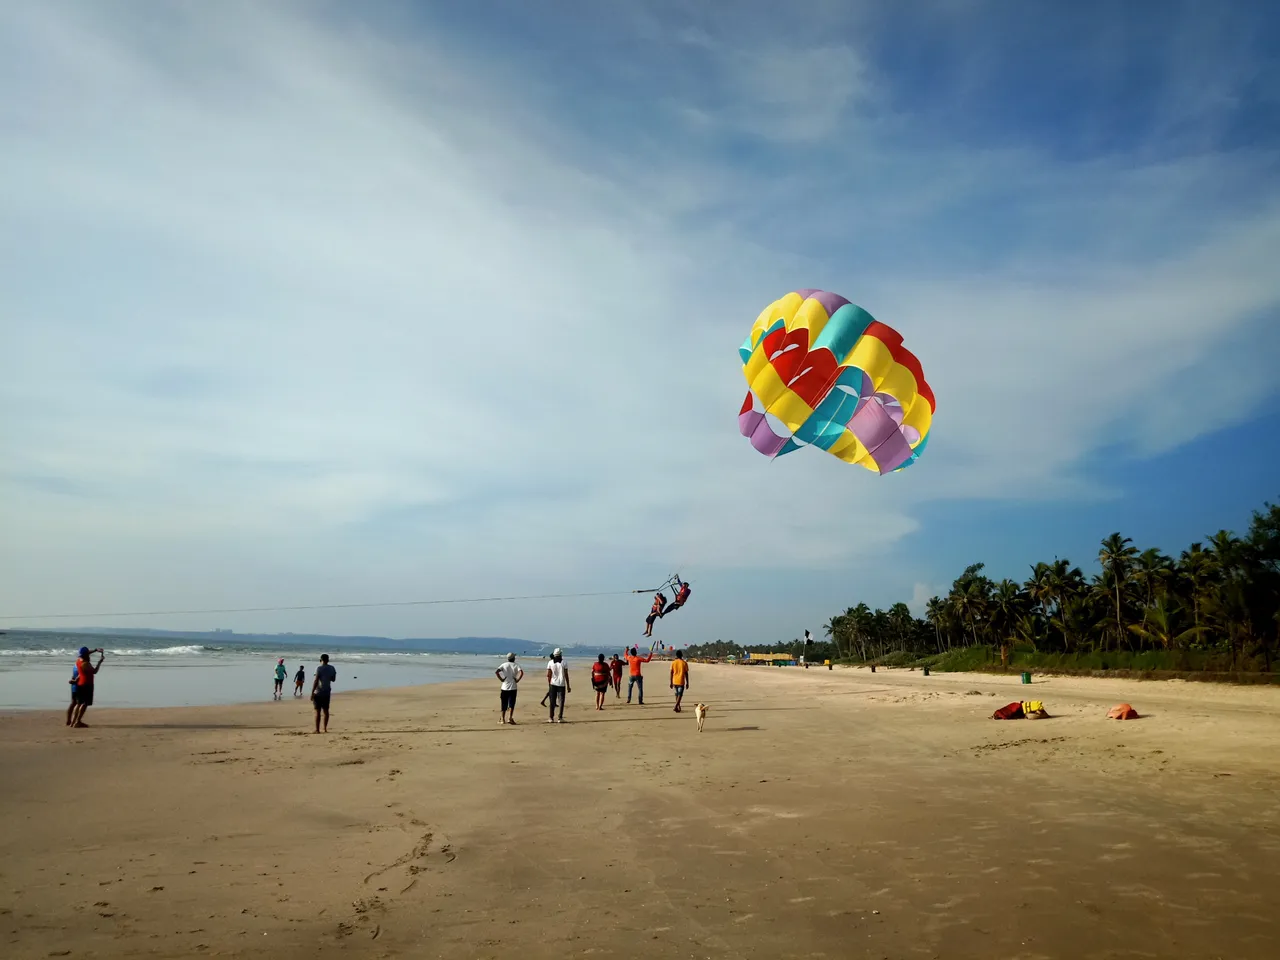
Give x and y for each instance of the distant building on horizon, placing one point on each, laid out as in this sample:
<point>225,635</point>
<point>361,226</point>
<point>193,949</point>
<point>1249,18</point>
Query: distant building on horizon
<point>222,630</point>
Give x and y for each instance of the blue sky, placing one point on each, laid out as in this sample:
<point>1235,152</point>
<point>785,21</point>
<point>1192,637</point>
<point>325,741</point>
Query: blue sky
<point>336,303</point>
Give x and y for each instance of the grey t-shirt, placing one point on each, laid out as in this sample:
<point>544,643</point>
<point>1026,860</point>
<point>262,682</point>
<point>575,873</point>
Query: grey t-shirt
<point>326,674</point>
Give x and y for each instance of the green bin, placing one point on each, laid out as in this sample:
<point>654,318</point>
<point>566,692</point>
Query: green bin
<point>1026,677</point>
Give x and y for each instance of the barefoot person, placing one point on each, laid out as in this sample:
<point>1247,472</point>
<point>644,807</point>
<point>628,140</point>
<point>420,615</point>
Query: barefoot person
<point>600,681</point>
<point>615,667</point>
<point>321,690</point>
<point>299,679</point>
<point>679,677</point>
<point>557,684</point>
<point>83,694</point>
<point>281,672</point>
<point>510,675</point>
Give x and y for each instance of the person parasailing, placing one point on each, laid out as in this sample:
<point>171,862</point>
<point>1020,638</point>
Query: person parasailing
<point>682,595</point>
<point>656,611</point>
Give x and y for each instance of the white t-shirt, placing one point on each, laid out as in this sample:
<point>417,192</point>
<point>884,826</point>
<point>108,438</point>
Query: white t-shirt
<point>508,672</point>
<point>557,673</point>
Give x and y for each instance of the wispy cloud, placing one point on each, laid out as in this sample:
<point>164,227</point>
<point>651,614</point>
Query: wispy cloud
<point>328,305</point>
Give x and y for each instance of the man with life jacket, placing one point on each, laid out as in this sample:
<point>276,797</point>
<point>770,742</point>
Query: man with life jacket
<point>681,596</point>
<point>82,695</point>
<point>600,680</point>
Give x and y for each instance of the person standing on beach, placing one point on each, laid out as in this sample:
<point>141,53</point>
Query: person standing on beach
<point>679,677</point>
<point>299,679</point>
<point>636,680</point>
<point>510,675</point>
<point>321,690</point>
<point>83,694</point>
<point>600,681</point>
<point>615,667</point>
<point>557,684</point>
<point>281,672</point>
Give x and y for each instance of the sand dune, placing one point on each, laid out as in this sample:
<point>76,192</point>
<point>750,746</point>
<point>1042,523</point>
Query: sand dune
<point>821,814</point>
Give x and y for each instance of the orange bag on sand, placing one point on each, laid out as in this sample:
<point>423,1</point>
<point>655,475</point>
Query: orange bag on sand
<point>1122,711</point>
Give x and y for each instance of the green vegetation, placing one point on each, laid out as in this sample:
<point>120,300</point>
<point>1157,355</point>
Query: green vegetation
<point>1213,612</point>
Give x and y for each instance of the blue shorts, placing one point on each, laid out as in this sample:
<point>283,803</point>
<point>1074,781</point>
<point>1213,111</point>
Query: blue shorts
<point>679,691</point>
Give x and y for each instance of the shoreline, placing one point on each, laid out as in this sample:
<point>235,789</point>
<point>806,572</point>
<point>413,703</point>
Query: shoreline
<point>822,812</point>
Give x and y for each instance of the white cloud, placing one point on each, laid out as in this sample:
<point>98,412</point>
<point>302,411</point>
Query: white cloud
<point>299,311</point>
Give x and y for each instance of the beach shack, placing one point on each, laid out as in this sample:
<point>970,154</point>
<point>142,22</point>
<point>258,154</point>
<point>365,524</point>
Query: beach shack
<point>777,659</point>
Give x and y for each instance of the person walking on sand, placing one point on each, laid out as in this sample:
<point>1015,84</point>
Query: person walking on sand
<point>558,684</point>
<point>600,680</point>
<point>281,672</point>
<point>510,675</point>
<point>299,679</point>
<point>615,667</point>
<point>679,677</point>
<point>82,696</point>
<point>636,681</point>
<point>321,690</point>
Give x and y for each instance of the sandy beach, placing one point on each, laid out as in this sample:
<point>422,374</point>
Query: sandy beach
<point>821,814</point>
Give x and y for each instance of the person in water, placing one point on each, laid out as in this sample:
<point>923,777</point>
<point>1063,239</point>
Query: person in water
<point>281,672</point>
<point>659,605</point>
<point>299,679</point>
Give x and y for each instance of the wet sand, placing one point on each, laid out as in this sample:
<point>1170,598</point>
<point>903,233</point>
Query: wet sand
<point>821,814</point>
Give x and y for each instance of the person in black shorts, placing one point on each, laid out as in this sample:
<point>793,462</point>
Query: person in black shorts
<point>321,690</point>
<point>600,680</point>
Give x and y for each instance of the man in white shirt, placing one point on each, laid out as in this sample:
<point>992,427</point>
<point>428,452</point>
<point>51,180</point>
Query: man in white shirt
<point>510,675</point>
<point>557,684</point>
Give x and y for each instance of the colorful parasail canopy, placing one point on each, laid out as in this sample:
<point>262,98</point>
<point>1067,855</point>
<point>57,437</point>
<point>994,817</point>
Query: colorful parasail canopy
<point>823,372</point>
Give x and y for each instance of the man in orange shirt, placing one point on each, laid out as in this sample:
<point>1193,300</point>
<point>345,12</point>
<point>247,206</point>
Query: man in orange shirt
<point>636,680</point>
<point>679,677</point>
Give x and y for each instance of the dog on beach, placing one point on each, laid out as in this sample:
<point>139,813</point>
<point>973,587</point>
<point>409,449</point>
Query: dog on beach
<point>700,711</point>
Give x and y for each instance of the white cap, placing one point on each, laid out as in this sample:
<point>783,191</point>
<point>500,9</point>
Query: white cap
<point>555,652</point>
<point>511,656</point>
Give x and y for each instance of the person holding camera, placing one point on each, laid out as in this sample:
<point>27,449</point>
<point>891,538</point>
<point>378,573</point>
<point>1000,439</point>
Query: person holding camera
<point>82,691</point>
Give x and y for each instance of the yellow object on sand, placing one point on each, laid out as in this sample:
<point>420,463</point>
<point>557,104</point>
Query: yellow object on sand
<point>1032,706</point>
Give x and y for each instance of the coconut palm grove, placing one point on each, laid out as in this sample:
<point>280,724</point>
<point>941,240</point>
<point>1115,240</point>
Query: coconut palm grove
<point>1213,609</point>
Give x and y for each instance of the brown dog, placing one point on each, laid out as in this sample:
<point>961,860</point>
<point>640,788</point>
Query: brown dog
<point>700,711</point>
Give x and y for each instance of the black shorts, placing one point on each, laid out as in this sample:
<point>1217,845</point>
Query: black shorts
<point>508,698</point>
<point>279,684</point>
<point>601,686</point>
<point>83,694</point>
<point>321,700</point>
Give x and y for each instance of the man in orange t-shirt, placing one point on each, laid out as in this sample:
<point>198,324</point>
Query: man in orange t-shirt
<point>636,680</point>
<point>679,677</point>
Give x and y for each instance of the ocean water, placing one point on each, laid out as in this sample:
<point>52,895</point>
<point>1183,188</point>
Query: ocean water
<point>171,672</point>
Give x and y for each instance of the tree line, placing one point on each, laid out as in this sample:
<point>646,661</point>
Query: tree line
<point>1219,601</point>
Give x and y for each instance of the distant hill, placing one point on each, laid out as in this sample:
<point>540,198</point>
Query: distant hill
<point>486,645</point>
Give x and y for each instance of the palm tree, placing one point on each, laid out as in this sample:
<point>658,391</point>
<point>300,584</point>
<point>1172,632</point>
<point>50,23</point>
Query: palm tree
<point>1007,605</point>
<point>1065,583</point>
<point>1196,568</point>
<point>1116,557</point>
<point>935,611</point>
<point>1162,627</point>
<point>834,628</point>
